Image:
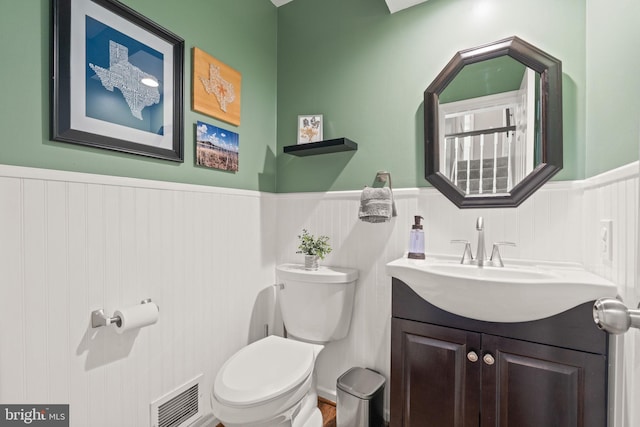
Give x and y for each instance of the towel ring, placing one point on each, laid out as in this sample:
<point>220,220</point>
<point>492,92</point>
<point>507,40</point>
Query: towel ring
<point>384,176</point>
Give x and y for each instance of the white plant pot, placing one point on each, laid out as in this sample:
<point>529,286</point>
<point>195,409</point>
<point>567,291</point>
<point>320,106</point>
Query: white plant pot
<point>311,262</point>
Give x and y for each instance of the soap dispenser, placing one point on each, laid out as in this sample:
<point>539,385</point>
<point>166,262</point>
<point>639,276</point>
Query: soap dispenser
<point>416,239</point>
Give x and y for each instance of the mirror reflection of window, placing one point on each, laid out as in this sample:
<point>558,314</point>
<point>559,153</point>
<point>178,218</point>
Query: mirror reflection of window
<point>488,156</point>
<point>489,138</point>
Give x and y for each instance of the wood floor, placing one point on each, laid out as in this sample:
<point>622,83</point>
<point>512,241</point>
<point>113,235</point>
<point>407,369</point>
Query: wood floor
<point>328,409</point>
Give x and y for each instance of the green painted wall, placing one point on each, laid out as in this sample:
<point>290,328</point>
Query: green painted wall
<point>242,34</point>
<point>366,70</point>
<point>352,61</point>
<point>484,78</point>
<point>613,83</point>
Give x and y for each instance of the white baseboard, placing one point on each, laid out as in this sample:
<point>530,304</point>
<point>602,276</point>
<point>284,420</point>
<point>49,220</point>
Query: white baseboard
<point>325,393</point>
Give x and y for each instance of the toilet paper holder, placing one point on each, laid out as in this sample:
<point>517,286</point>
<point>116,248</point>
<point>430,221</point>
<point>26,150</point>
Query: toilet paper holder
<point>99,319</point>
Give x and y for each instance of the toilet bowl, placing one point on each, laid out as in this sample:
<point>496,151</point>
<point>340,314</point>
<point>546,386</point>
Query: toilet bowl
<point>266,383</point>
<point>271,382</point>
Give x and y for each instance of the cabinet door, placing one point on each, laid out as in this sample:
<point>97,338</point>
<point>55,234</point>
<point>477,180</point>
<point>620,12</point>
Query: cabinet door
<point>534,385</point>
<point>435,381</point>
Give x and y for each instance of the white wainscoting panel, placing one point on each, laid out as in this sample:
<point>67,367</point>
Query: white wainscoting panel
<point>548,226</point>
<point>558,223</point>
<point>73,243</point>
<point>614,196</point>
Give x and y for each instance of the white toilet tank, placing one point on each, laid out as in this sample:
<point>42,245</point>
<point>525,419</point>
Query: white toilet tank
<point>316,305</point>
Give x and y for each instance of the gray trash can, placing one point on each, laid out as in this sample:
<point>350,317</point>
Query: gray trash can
<point>360,399</point>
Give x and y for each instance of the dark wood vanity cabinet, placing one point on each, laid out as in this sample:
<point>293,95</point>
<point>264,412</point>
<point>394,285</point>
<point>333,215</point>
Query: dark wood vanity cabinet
<point>432,384</point>
<point>451,371</point>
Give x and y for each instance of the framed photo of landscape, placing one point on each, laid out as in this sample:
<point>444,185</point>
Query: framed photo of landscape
<point>117,80</point>
<point>217,148</point>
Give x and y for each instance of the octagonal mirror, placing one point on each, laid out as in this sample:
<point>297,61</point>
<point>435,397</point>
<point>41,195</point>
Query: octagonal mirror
<point>493,124</point>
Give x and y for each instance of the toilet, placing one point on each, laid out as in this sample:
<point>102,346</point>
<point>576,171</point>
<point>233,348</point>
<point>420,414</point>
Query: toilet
<point>272,381</point>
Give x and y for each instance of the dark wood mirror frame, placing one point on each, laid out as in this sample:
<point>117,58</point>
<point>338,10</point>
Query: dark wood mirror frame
<point>550,71</point>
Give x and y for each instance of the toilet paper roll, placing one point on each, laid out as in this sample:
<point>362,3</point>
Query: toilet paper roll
<point>136,316</point>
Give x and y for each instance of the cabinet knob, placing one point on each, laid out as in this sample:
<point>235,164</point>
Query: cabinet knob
<point>472,356</point>
<point>488,359</point>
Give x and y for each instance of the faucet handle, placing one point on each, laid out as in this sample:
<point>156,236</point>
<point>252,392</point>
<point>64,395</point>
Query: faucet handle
<point>496,259</point>
<point>467,257</point>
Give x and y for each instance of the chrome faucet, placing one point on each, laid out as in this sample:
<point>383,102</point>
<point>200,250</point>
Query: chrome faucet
<point>481,259</point>
<point>481,252</point>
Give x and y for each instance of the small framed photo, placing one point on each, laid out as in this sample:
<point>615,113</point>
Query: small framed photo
<point>217,148</point>
<point>309,128</point>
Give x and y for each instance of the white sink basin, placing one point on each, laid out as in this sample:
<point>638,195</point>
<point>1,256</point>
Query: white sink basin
<point>518,292</point>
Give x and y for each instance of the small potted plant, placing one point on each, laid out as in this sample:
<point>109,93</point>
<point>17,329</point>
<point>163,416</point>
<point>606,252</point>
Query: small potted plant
<point>313,248</point>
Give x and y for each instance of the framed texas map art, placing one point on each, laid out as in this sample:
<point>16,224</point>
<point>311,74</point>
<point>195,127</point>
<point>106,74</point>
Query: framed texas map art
<point>117,80</point>
<point>216,88</point>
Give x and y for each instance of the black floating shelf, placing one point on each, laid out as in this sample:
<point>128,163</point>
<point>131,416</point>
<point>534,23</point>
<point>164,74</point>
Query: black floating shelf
<point>321,147</point>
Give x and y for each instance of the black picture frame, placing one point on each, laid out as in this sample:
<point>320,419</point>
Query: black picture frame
<point>91,110</point>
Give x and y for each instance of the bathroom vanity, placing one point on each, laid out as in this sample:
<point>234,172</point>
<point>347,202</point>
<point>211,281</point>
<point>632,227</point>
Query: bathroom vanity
<point>449,370</point>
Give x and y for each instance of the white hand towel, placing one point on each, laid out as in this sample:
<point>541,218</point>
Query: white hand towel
<point>376,205</point>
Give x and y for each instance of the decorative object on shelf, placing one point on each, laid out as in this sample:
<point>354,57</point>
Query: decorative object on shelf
<point>313,248</point>
<point>309,128</point>
<point>321,147</point>
<point>117,80</point>
<point>216,88</point>
<point>216,147</point>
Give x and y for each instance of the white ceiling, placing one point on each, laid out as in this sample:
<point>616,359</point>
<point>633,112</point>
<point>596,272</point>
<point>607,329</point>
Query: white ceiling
<point>393,5</point>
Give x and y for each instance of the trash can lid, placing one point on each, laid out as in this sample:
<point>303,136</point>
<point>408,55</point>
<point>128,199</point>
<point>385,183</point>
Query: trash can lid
<point>360,382</point>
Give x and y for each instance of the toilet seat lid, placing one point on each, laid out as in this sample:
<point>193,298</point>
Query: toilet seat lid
<point>264,370</point>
